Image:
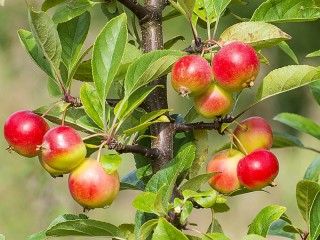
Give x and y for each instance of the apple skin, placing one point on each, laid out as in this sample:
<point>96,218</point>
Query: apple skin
<point>253,133</point>
<point>258,169</point>
<point>191,75</point>
<point>24,131</point>
<point>214,102</point>
<point>63,148</point>
<point>53,172</point>
<point>225,162</point>
<point>236,66</point>
<point>91,186</point>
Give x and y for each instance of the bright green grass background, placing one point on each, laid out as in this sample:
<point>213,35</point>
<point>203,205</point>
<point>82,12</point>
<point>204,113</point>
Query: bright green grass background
<point>30,198</point>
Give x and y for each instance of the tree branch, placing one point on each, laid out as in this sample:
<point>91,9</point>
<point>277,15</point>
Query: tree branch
<point>142,13</point>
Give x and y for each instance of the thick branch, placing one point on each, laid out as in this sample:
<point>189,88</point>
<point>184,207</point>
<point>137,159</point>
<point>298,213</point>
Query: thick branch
<point>151,153</point>
<point>142,13</point>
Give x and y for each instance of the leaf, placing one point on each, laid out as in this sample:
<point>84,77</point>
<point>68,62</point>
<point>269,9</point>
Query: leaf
<point>186,211</point>
<point>262,222</point>
<point>277,229</point>
<point>166,231</point>
<point>313,171</point>
<point>35,52</point>
<point>47,4</point>
<point>148,67</point>
<point>37,236</point>
<point>111,162</point>
<point>286,11</point>
<point>215,236</point>
<point>196,182</point>
<point>253,237</point>
<point>143,126</point>
<point>205,10</point>
<point>285,48</point>
<point>257,34</point>
<point>47,38</point>
<point>131,181</point>
<point>2,237</point>
<point>144,202</point>
<point>281,140</point>
<point>219,7</point>
<point>187,6</point>
<point>91,104</point>
<point>285,79</point>
<point>299,123</point>
<point>72,35</point>
<point>314,54</point>
<point>147,228</point>
<point>72,9</point>
<point>168,44</point>
<point>108,51</point>
<point>128,230</point>
<point>315,218</point>
<point>208,198</point>
<point>305,194</point>
<point>158,203</point>
<point>315,90</point>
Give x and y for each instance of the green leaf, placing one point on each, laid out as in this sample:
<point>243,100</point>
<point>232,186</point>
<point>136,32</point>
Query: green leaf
<point>315,218</point>
<point>108,51</point>
<point>37,236</point>
<point>2,237</point>
<point>196,182</point>
<point>72,9</point>
<point>286,11</point>
<point>35,52</point>
<point>147,228</point>
<point>257,34</point>
<point>253,237</point>
<point>45,33</point>
<point>75,118</point>
<point>128,230</point>
<point>187,6</point>
<point>47,4</point>
<point>205,10</point>
<point>285,79</point>
<point>306,192</point>
<point>215,226</point>
<point>285,48</point>
<point>215,236</point>
<point>299,123</point>
<point>111,162</point>
<point>313,171</point>
<point>168,44</point>
<point>277,229</point>
<point>158,203</point>
<point>262,222</point>
<point>166,231</point>
<point>281,140</point>
<point>219,7</point>
<point>144,202</point>
<point>186,211</point>
<point>91,104</point>
<point>314,54</point>
<point>208,198</point>
<point>148,67</point>
<point>131,181</point>
<point>315,90</point>
<point>72,35</point>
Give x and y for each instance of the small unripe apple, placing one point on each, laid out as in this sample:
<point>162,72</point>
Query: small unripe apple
<point>191,75</point>
<point>236,66</point>
<point>53,172</point>
<point>214,102</point>
<point>62,148</point>
<point>258,169</point>
<point>225,162</point>
<point>91,186</point>
<point>253,133</point>
<point>24,131</point>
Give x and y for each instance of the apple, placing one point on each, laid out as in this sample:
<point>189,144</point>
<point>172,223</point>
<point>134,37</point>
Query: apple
<point>24,131</point>
<point>253,133</point>
<point>258,169</point>
<point>91,186</point>
<point>191,75</point>
<point>225,164</point>
<point>216,101</point>
<point>62,148</point>
<point>53,172</point>
<point>236,66</point>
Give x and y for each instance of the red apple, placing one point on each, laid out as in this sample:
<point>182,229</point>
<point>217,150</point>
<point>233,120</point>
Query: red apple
<point>258,169</point>
<point>253,133</point>
<point>63,148</point>
<point>214,102</point>
<point>225,162</point>
<point>191,75</point>
<point>24,131</point>
<point>91,186</point>
<point>53,172</point>
<point>236,66</point>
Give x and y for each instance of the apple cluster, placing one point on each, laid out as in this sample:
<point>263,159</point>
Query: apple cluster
<point>252,165</point>
<point>234,67</point>
<point>62,151</point>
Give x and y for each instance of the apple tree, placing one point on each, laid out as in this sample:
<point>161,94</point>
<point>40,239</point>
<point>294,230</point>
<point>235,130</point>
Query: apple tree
<point>122,107</point>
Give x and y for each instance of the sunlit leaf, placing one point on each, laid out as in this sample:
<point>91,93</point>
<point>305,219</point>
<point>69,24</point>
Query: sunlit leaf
<point>147,228</point>
<point>315,218</point>
<point>286,48</point>
<point>313,171</point>
<point>166,231</point>
<point>111,162</point>
<point>314,54</point>
<point>47,4</point>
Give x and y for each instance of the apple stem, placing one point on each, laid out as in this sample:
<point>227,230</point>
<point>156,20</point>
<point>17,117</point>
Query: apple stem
<point>240,125</point>
<point>64,116</point>
<point>51,108</point>
<point>100,149</point>
<point>94,135</point>
<point>237,139</point>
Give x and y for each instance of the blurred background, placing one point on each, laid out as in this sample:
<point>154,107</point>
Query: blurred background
<point>31,199</point>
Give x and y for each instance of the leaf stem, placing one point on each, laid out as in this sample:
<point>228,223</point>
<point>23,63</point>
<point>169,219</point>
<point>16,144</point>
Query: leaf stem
<point>100,149</point>
<point>51,108</point>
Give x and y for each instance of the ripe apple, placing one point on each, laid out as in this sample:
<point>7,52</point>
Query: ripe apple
<point>24,131</point>
<point>191,75</point>
<point>214,102</point>
<point>236,66</point>
<point>91,186</point>
<point>62,148</point>
<point>258,169</point>
<point>225,162</point>
<point>53,172</point>
<point>253,133</point>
